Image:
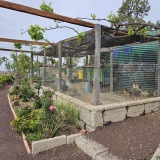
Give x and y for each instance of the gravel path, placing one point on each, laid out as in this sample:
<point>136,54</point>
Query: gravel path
<point>12,147</point>
<point>132,139</point>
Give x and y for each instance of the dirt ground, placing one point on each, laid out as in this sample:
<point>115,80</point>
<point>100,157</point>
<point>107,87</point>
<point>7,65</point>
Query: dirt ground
<point>11,144</point>
<point>132,139</point>
<point>105,96</point>
<point>65,152</point>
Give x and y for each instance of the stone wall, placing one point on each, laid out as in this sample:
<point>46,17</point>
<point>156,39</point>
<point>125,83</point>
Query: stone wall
<point>93,116</point>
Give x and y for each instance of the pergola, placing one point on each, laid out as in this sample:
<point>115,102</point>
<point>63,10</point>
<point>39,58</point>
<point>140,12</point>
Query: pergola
<point>95,41</point>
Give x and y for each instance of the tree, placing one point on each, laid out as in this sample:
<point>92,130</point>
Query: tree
<point>3,60</point>
<point>133,11</point>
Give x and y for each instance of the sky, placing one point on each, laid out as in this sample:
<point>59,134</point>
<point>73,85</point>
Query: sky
<point>13,23</point>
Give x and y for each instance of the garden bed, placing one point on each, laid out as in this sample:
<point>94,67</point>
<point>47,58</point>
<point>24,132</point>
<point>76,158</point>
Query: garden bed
<point>43,128</point>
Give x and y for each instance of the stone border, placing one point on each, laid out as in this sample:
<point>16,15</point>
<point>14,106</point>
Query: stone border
<point>45,144</point>
<point>50,143</point>
<point>92,116</point>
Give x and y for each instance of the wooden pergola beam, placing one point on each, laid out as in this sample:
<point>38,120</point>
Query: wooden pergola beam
<point>14,50</point>
<point>37,12</point>
<point>23,41</point>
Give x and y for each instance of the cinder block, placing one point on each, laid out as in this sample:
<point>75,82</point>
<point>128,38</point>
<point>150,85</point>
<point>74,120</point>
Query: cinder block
<point>149,107</point>
<point>96,119</point>
<point>156,106</point>
<point>71,138</point>
<point>46,144</point>
<point>115,115</point>
<point>81,124</point>
<point>89,128</point>
<point>85,116</point>
<point>135,111</point>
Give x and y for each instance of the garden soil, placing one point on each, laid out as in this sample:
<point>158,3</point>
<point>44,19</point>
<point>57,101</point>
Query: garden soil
<point>132,139</point>
<point>11,144</point>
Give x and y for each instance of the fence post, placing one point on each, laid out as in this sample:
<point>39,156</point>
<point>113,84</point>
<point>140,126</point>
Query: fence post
<point>44,69</point>
<point>96,79</point>
<point>111,70</point>
<point>59,66</point>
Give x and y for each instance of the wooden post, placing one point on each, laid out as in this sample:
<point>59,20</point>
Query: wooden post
<point>86,61</point>
<point>44,69</point>
<point>96,79</point>
<point>17,70</point>
<point>32,70</point>
<point>70,70</point>
<point>159,69</point>
<point>59,66</point>
<point>111,70</point>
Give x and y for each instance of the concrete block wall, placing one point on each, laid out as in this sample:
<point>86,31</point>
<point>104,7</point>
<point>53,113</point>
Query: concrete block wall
<point>92,116</point>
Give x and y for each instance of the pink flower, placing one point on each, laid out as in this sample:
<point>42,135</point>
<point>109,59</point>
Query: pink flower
<point>51,108</point>
<point>52,99</point>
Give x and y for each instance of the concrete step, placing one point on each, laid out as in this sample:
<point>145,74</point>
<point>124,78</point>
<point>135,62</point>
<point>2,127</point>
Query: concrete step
<point>95,150</point>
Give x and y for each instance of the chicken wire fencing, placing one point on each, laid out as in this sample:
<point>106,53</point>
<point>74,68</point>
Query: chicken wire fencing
<point>131,63</point>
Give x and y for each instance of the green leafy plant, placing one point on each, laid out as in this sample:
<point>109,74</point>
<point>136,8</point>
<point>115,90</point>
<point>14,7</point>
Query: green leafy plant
<point>80,37</point>
<point>36,32</point>
<point>17,45</point>
<point>16,103</point>
<point>14,90</point>
<point>46,7</point>
<point>28,120</point>
<point>25,93</point>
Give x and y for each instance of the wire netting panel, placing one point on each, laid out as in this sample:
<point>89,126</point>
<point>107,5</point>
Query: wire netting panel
<point>136,63</point>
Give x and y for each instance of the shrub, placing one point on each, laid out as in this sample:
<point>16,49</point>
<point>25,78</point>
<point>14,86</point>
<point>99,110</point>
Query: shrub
<point>25,93</point>
<point>16,103</point>
<point>37,103</point>
<point>58,118</point>
<point>1,85</point>
<point>14,90</point>
<point>28,120</point>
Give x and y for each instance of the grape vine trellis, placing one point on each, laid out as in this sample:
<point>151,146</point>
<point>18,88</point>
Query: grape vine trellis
<point>133,28</point>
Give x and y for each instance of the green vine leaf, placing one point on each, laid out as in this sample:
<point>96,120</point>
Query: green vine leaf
<point>80,37</point>
<point>36,32</point>
<point>17,45</point>
<point>46,7</point>
<point>93,16</point>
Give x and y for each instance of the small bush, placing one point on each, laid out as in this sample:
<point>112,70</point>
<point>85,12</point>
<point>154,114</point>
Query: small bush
<point>16,103</point>
<point>1,85</point>
<point>14,90</point>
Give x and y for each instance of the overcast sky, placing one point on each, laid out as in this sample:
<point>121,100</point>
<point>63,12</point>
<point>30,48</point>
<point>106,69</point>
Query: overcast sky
<point>12,22</point>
